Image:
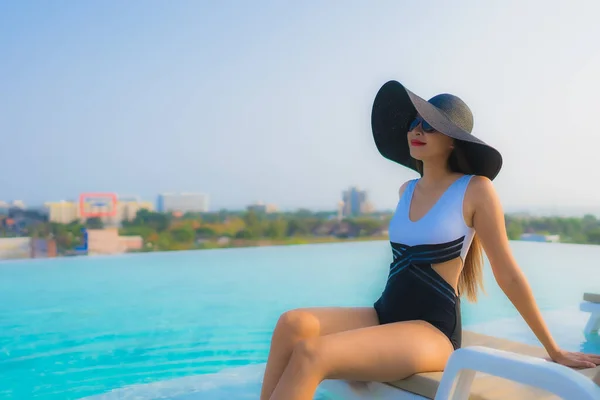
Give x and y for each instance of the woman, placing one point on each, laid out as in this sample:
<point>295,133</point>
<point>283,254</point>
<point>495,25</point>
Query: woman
<point>440,225</point>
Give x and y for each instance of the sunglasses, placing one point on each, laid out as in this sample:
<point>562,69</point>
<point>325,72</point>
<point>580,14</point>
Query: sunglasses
<point>424,125</point>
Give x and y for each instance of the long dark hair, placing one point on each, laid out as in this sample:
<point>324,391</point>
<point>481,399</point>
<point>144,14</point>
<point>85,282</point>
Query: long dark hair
<point>471,277</point>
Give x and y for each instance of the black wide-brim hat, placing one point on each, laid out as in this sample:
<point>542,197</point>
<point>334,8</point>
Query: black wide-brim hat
<point>395,107</point>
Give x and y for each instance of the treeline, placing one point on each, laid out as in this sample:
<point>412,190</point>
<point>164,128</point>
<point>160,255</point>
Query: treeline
<point>584,230</point>
<point>163,231</point>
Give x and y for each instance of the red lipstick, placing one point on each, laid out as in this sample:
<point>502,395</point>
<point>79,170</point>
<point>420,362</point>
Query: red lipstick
<point>415,142</point>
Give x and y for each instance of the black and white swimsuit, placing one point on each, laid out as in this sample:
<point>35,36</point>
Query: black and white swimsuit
<point>414,290</point>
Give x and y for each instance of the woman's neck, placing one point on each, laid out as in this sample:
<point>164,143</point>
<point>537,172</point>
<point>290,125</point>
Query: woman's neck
<point>435,172</point>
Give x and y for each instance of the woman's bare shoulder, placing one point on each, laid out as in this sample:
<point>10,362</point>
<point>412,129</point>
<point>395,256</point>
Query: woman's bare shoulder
<point>480,188</point>
<point>480,193</point>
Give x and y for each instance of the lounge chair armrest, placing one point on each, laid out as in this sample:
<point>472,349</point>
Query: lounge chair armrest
<point>587,306</point>
<point>536,372</point>
<point>593,323</point>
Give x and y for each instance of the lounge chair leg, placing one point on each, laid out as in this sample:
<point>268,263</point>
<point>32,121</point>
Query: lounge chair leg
<point>463,385</point>
<point>593,323</point>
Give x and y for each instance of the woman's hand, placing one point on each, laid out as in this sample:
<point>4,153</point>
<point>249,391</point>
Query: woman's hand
<point>576,360</point>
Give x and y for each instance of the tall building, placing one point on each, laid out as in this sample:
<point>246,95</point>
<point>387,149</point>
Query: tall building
<point>182,202</point>
<point>355,202</point>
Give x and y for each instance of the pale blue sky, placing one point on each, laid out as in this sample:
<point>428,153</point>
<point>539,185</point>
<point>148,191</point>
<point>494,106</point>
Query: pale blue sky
<point>271,101</point>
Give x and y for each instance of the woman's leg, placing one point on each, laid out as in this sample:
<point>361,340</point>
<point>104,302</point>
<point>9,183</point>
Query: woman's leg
<point>380,353</point>
<point>306,323</point>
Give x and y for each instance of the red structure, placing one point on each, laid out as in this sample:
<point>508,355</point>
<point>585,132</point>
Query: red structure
<point>97,200</point>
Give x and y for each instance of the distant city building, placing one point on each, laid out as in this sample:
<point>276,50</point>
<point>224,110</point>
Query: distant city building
<point>127,209</point>
<point>26,247</point>
<point>43,248</point>
<point>5,206</point>
<point>108,241</point>
<point>355,202</point>
<point>18,247</point>
<point>182,202</point>
<point>64,212</point>
<point>261,208</point>
<point>18,204</point>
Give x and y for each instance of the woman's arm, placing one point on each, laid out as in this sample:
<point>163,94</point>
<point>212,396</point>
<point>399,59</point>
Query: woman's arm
<point>489,224</point>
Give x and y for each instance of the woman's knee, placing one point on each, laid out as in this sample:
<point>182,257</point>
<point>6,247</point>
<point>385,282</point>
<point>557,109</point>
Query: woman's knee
<point>298,324</point>
<point>309,353</point>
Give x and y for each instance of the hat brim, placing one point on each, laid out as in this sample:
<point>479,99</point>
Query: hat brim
<point>395,107</point>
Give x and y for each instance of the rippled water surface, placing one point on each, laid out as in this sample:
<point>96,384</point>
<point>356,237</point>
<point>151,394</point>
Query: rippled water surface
<point>77,327</point>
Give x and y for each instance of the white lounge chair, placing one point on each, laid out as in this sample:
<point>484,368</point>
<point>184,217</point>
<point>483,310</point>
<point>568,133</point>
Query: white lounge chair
<point>507,370</point>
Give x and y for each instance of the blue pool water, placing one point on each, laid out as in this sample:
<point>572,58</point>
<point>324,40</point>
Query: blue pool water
<point>197,325</point>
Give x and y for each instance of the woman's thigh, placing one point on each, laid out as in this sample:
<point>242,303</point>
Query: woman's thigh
<point>380,353</point>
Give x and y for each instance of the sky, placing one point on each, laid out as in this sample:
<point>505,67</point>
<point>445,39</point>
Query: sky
<point>271,101</point>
